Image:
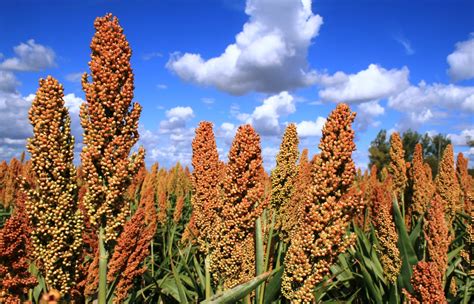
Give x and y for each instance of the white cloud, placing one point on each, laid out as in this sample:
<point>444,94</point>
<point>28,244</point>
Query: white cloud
<point>208,100</point>
<point>8,82</point>
<point>308,128</point>
<point>265,118</point>
<point>461,61</point>
<point>269,54</point>
<point>462,138</point>
<point>149,56</point>
<point>74,77</point>
<point>424,96</point>
<point>30,56</point>
<point>366,114</point>
<point>162,86</point>
<point>177,118</point>
<point>374,83</point>
<point>406,45</point>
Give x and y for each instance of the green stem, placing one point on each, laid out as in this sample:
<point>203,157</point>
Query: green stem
<point>259,256</point>
<point>102,268</point>
<point>208,278</point>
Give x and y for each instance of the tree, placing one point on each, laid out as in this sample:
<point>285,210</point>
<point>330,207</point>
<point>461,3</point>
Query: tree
<point>379,151</point>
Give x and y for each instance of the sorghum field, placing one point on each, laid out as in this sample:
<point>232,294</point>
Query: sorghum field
<point>313,230</point>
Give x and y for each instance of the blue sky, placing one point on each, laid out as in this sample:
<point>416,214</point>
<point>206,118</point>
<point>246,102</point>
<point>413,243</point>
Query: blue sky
<point>399,64</point>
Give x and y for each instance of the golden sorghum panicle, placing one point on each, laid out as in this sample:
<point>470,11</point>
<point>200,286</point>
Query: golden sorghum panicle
<point>132,248</point>
<point>12,184</point>
<point>283,176</point>
<point>136,186</point>
<point>52,206</point>
<point>3,180</point>
<point>397,167</point>
<point>437,234</point>
<point>15,279</point>
<point>148,194</point>
<point>427,284</point>
<point>178,209</point>
<point>447,185</point>
<point>328,211</point>
<point>385,230</point>
<point>110,122</point>
<point>466,182</point>
<point>421,185</point>
<point>233,255</point>
<point>293,214</point>
<point>206,183</point>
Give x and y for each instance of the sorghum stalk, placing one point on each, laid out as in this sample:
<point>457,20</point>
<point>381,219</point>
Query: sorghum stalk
<point>110,122</point>
<point>52,206</point>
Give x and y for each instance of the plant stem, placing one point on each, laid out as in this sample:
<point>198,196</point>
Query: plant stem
<point>102,268</point>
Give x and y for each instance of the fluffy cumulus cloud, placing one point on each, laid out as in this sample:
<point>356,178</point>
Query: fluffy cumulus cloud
<point>268,55</point>
<point>176,119</point>
<point>425,96</point>
<point>373,83</point>
<point>308,128</point>
<point>461,61</point>
<point>172,141</point>
<point>463,138</point>
<point>30,56</point>
<point>265,118</point>
<point>367,113</point>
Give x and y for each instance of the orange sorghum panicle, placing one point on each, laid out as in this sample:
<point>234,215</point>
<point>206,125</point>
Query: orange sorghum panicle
<point>466,182</point>
<point>421,184</point>
<point>328,211</point>
<point>206,179</point>
<point>233,255</point>
<point>437,234</point>
<point>293,214</point>
<point>133,246</point>
<point>397,167</point>
<point>110,122</point>
<point>15,248</point>
<point>447,185</point>
<point>178,209</point>
<point>283,177</point>
<point>52,206</point>
<point>148,193</point>
<point>385,230</point>
<point>427,284</point>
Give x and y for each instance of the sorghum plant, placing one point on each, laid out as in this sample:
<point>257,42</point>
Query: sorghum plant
<point>110,122</point>
<point>206,184</point>
<point>447,186</point>
<point>322,235</point>
<point>52,206</point>
<point>427,285</point>
<point>283,176</point>
<point>15,250</point>
<point>385,230</point>
<point>233,259</point>
<point>397,166</point>
<point>293,214</point>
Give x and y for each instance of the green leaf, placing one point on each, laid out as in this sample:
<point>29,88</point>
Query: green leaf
<point>272,291</point>
<point>239,291</point>
<point>407,253</point>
